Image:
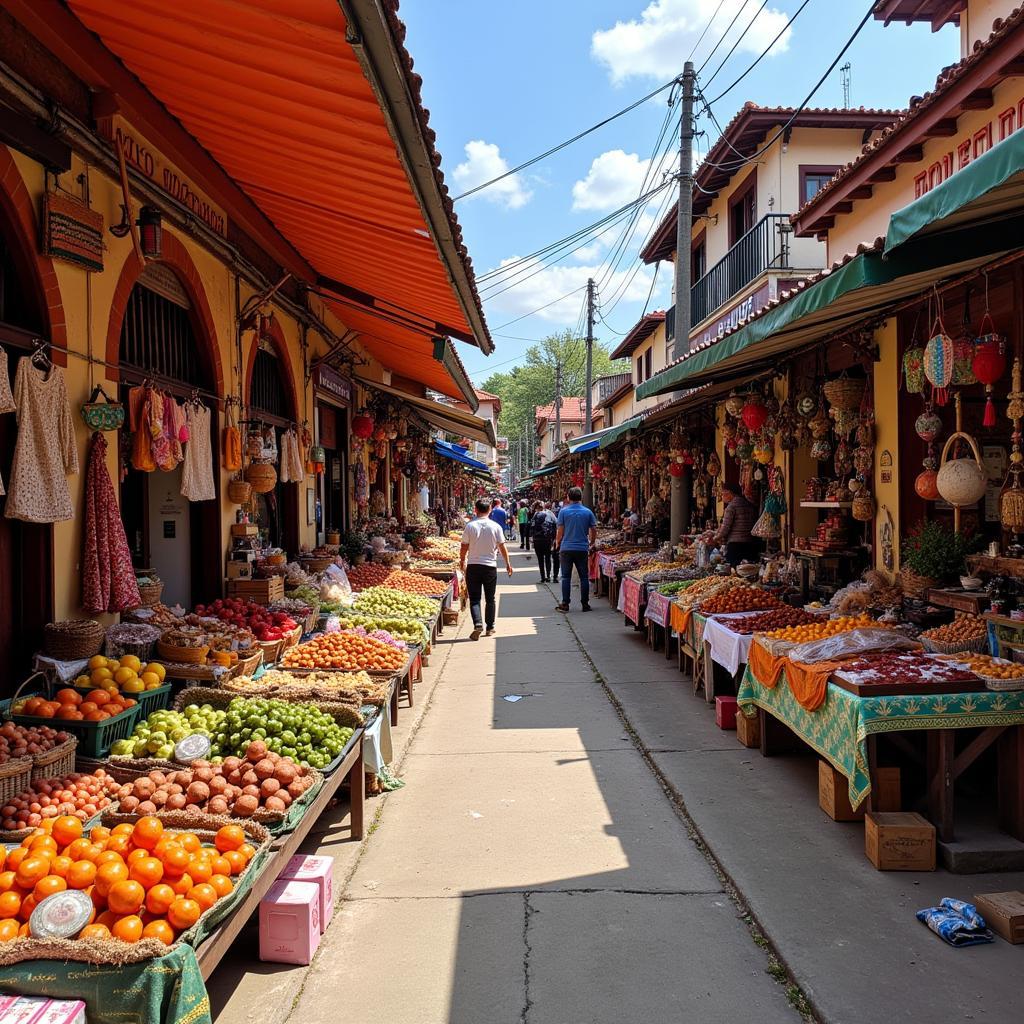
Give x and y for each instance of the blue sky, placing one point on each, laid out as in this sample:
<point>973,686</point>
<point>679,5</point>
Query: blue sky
<point>509,81</point>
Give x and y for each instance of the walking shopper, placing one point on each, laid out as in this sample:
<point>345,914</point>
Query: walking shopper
<point>523,515</point>
<point>542,527</point>
<point>500,516</point>
<point>576,535</point>
<point>737,522</point>
<point>554,508</point>
<point>482,539</point>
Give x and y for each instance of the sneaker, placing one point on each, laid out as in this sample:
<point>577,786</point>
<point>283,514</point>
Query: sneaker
<point>475,635</point>
<point>586,607</point>
<point>490,632</point>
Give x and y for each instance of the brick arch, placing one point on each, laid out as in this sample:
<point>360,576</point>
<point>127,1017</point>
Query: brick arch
<point>175,255</point>
<point>273,331</point>
<point>20,211</point>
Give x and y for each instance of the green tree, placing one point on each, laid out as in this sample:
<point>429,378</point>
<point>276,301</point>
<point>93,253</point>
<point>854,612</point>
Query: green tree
<point>532,383</point>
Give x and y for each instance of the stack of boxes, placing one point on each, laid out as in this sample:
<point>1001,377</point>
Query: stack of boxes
<point>296,911</point>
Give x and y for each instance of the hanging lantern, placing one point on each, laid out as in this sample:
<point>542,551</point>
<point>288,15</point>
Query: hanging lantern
<point>989,364</point>
<point>676,469</point>
<point>939,357</point>
<point>151,232</point>
<point>362,425</point>
<point>734,405</point>
<point>754,414</point>
<point>926,485</point>
<point>928,425</point>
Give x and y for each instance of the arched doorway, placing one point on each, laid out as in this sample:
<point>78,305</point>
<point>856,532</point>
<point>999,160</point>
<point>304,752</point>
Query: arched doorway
<point>26,549</point>
<point>271,401</point>
<point>162,339</point>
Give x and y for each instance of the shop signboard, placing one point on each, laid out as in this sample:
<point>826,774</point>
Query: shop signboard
<point>329,382</point>
<point>731,317</point>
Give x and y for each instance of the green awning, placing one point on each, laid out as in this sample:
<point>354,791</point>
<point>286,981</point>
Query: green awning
<point>545,470</point>
<point>613,434</point>
<point>866,287</point>
<point>987,190</point>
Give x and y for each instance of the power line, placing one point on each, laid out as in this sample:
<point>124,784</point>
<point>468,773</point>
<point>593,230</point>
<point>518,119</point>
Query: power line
<point>739,39</point>
<point>546,305</point>
<point>722,37</point>
<point>567,142</point>
<point>706,27</point>
<point>733,167</point>
<point>764,53</point>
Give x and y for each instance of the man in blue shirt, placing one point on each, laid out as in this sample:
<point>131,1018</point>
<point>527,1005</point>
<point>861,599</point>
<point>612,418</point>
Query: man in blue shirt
<point>500,516</point>
<point>577,532</point>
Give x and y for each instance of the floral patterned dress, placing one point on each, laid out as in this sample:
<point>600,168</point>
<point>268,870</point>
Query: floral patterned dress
<point>6,398</point>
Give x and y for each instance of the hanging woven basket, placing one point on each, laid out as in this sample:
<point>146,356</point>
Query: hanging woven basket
<point>239,491</point>
<point>844,392</point>
<point>961,482</point>
<point>261,476</point>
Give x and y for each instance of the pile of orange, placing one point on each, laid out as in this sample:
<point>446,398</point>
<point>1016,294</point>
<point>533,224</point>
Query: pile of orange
<point>820,630</point>
<point>144,882</point>
<point>992,668</point>
<point>72,706</point>
<point>348,651</point>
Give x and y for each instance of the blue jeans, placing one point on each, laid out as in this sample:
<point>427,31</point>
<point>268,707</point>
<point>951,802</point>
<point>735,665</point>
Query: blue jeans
<point>566,561</point>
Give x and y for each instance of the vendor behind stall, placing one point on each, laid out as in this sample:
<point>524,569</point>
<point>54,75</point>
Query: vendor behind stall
<point>738,520</point>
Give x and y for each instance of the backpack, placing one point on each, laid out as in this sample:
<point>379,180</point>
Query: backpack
<point>544,526</point>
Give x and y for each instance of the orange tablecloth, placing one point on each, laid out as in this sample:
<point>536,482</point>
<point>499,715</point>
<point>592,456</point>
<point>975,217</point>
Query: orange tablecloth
<point>808,683</point>
<point>680,619</point>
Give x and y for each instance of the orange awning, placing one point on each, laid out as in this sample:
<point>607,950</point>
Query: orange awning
<point>274,91</point>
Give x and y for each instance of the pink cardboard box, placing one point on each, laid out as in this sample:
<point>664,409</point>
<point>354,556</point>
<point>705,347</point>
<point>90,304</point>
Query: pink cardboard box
<point>23,1010</point>
<point>725,712</point>
<point>61,1011</point>
<point>290,922</point>
<point>314,869</point>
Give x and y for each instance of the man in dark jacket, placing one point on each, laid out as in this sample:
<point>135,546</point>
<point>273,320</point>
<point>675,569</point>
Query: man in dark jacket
<point>542,528</point>
<point>737,521</point>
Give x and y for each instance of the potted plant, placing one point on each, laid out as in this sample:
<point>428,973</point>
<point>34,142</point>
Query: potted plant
<point>931,554</point>
<point>353,546</point>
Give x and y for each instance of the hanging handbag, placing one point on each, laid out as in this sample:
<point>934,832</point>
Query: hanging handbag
<point>232,443</point>
<point>105,415</point>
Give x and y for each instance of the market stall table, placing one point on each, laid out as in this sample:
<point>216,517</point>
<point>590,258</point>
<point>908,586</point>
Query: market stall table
<point>723,647</point>
<point>657,613</point>
<point>632,601</point>
<point>844,727</point>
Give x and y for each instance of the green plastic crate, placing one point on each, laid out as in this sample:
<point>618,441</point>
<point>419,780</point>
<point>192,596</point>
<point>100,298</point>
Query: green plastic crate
<point>94,738</point>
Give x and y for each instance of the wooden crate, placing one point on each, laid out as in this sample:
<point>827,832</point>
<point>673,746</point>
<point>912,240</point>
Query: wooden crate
<point>899,841</point>
<point>1003,913</point>
<point>748,730</point>
<point>261,591</point>
<point>834,800</point>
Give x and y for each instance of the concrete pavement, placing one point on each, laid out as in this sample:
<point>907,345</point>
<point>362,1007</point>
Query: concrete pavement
<point>533,869</point>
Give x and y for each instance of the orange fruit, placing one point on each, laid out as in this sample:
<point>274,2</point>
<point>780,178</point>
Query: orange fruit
<point>109,873</point>
<point>43,845</point>
<point>91,852</point>
<point>147,871</point>
<point>67,829</point>
<point>77,848</point>
<point>200,867</point>
<point>248,851</point>
<point>175,859</point>
<point>61,866</point>
<point>16,856</point>
<point>160,898</point>
<point>3,856</point>
<point>183,913</point>
<point>159,929</point>
<point>28,904</point>
<point>128,928</point>
<point>107,857</point>
<point>230,837</point>
<point>99,834</point>
<point>8,881</point>
<point>190,841</point>
<point>221,865</point>
<point>81,874</point>
<point>222,885</point>
<point>126,897</point>
<point>124,829</point>
<point>119,844</point>
<point>47,886</point>
<point>237,861</point>
<point>204,894</point>
<point>10,904</point>
<point>180,886</point>
<point>147,832</point>
<point>95,931</point>
<point>137,854</point>
<point>8,930</point>
<point>30,870</point>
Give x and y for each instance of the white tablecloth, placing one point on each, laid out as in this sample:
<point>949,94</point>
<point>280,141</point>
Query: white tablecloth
<point>728,649</point>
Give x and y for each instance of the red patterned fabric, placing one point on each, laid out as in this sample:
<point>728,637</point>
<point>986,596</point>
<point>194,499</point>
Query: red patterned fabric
<point>108,581</point>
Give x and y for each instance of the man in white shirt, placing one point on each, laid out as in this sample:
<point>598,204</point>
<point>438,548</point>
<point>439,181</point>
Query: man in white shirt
<point>482,539</point>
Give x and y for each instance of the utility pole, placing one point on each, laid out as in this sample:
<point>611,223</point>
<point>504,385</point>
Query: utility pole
<point>558,404</point>
<point>679,513</point>
<point>588,425</point>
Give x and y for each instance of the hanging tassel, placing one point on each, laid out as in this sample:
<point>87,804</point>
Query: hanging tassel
<point>990,409</point>
<point>940,396</point>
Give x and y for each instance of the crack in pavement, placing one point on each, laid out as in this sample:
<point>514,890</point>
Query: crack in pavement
<point>528,912</point>
<point>514,891</point>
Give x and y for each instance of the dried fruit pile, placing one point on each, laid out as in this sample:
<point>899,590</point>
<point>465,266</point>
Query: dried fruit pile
<point>963,629</point>
<point>239,786</point>
<point>79,795</point>
<point>776,618</point>
<point>988,667</point>
<point>145,882</point>
<point>22,740</point>
<point>908,668</point>
<point>705,588</point>
<point>820,630</point>
<point>265,624</point>
<point>739,599</point>
<point>345,650</point>
<point>373,574</point>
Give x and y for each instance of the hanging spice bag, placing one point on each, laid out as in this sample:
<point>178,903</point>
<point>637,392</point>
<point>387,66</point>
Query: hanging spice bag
<point>232,442</point>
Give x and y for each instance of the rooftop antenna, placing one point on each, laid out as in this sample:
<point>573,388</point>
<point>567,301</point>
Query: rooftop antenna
<point>845,69</point>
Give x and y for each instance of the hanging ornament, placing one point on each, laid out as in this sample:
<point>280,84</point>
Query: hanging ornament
<point>928,425</point>
<point>754,414</point>
<point>714,466</point>
<point>1015,407</point>
<point>362,425</point>
<point>821,449</point>
<point>734,404</point>
<point>676,469</point>
<point>926,485</point>
<point>989,365</point>
<point>938,362</point>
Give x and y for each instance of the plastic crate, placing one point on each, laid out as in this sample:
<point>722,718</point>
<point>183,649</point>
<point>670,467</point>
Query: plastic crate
<point>153,700</point>
<point>94,738</point>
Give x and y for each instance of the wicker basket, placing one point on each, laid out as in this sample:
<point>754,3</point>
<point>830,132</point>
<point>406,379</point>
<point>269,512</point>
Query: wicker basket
<point>844,393</point>
<point>142,647</point>
<point>149,593</point>
<point>73,639</point>
<point>979,646</point>
<point>1002,685</point>
<point>914,585</point>
<point>316,564</point>
<point>271,650</point>
<point>55,763</point>
<point>15,777</point>
<point>181,655</point>
<point>239,491</point>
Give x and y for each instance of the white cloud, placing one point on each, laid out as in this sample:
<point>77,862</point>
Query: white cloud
<point>484,162</point>
<point>548,284</point>
<point>614,179</point>
<point>655,44</point>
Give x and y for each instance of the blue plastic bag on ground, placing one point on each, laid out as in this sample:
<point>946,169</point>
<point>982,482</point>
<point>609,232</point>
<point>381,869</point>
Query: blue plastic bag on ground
<point>956,922</point>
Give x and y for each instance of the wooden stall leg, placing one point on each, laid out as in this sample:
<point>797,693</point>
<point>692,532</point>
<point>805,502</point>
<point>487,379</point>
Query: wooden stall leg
<point>394,701</point>
<point>669,643</point>
<point>357,794</point>
<point>1011,781</point>
<point>941,749</point>
<point>709,672</point>
<point>776,737</point>
<point>408,686</point>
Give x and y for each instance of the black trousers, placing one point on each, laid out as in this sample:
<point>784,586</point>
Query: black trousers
<point>482,578</point>
<point>524,535</point>
<point>741,551</point>
<point>543,548</point>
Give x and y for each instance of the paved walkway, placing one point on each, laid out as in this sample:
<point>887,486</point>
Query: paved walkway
<point>532,870</point>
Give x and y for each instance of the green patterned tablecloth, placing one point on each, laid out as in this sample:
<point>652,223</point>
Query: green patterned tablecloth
<point>839,729</point>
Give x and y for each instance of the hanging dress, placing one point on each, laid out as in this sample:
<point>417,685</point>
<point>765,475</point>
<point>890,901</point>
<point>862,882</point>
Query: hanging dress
<point>6,398</point>
<point>292,467</point>
<point>197,474</point>
<point>45,452</point>
<point>108,581</point>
